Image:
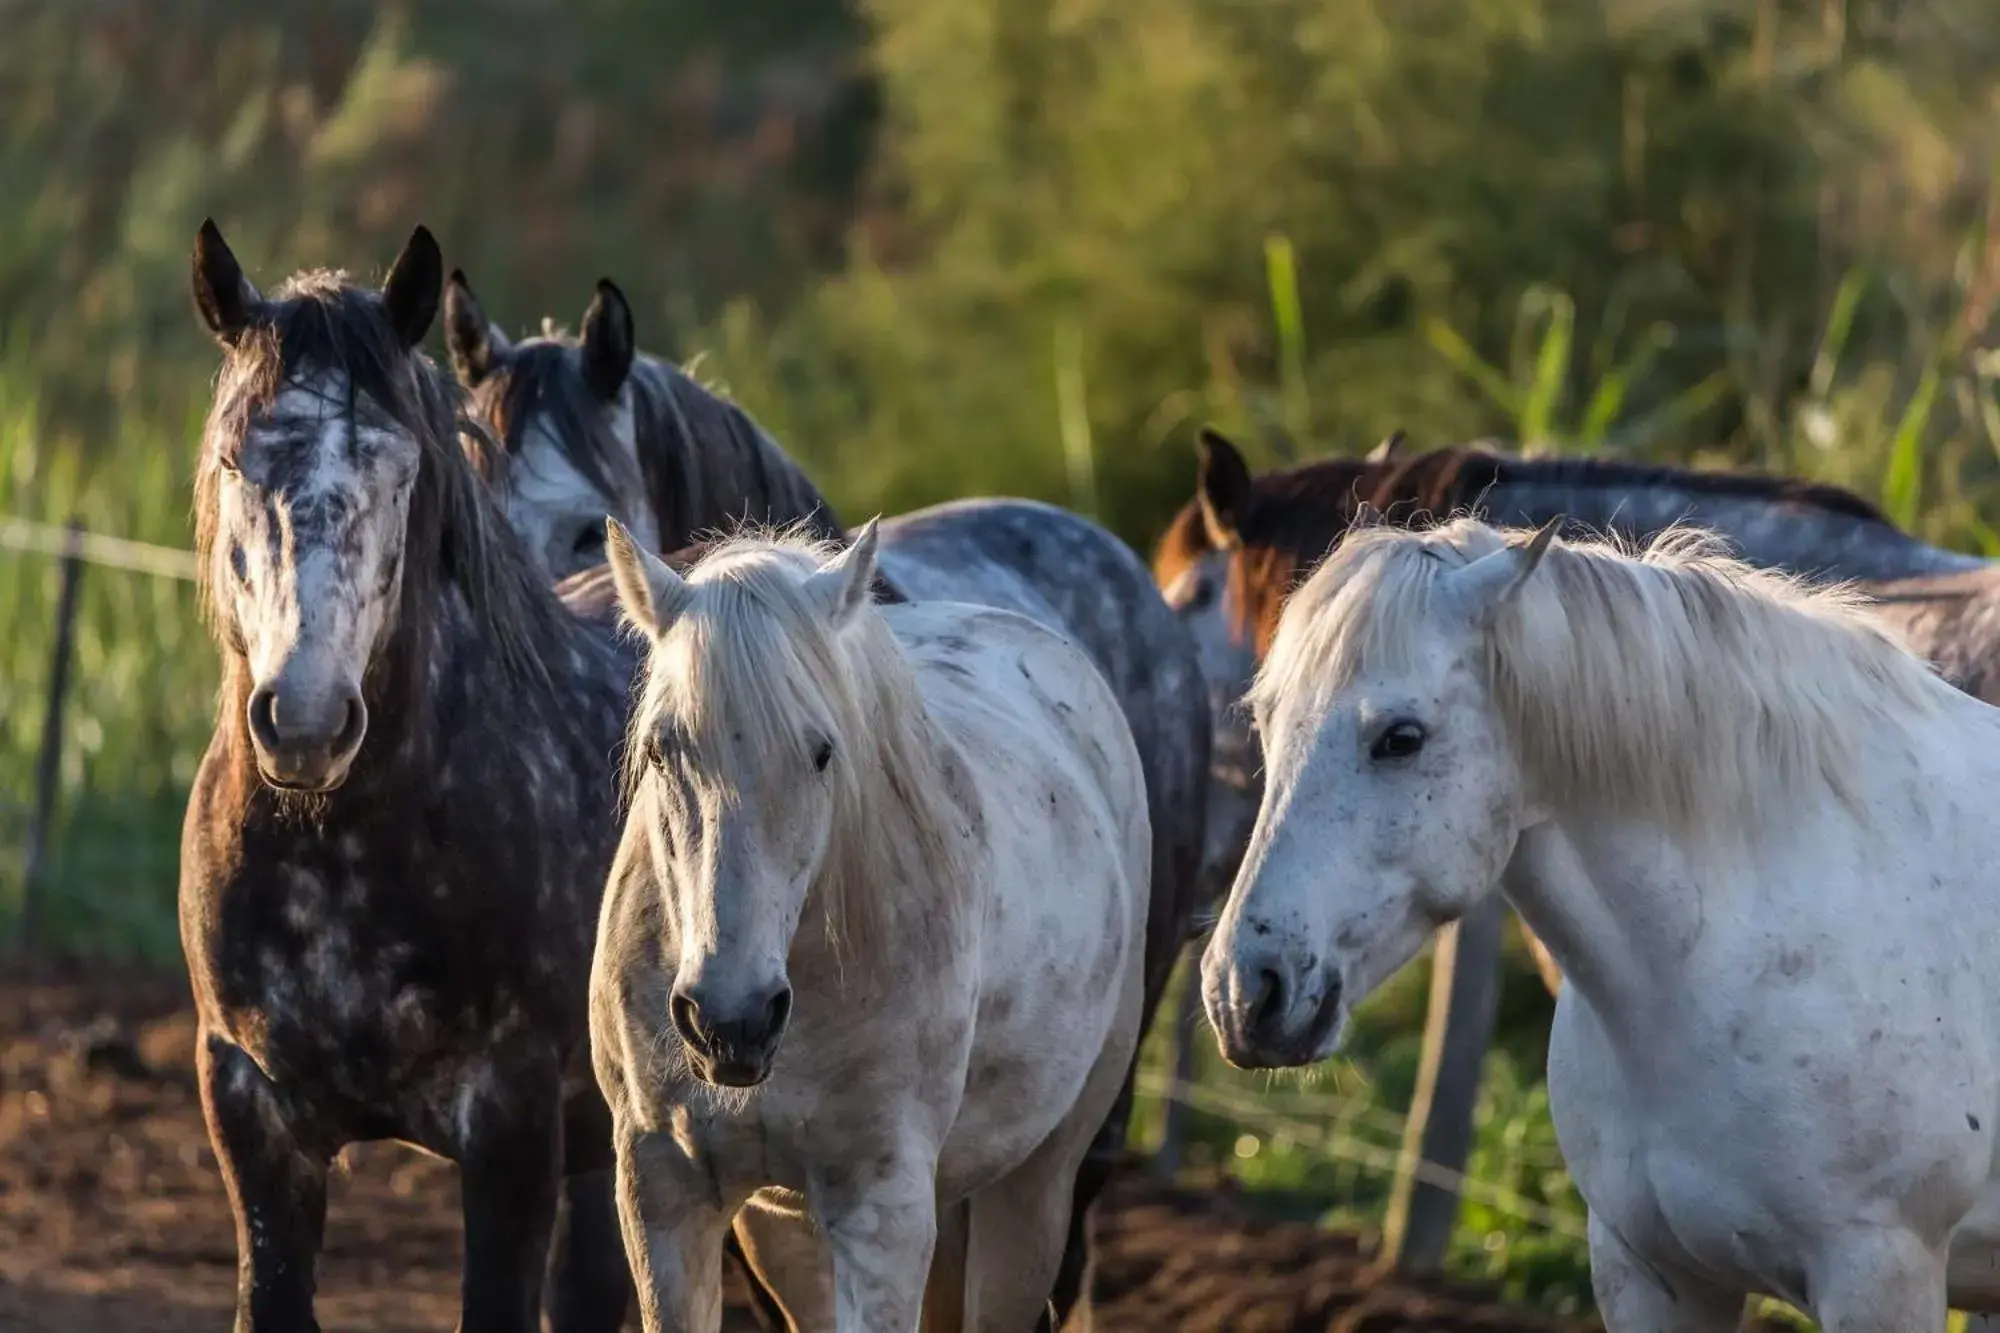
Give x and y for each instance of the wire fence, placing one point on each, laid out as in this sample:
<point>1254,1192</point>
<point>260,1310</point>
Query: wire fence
<point>1277,1117</point>
<point>1251,1113</point>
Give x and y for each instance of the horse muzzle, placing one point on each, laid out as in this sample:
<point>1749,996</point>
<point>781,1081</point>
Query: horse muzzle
<point>731,1042</point>
<point>1268,1014</point>
<point>306,741</point>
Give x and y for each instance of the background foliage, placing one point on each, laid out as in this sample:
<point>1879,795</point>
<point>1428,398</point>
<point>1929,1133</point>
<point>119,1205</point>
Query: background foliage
<point>946,247</point>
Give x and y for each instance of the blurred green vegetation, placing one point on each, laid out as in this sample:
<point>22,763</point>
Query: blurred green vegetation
<point>947,247</point>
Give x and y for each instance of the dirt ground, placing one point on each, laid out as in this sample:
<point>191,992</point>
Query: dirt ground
<point>112,1217</point>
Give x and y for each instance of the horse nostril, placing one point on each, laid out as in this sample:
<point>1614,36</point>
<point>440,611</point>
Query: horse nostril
<point>777,1012</point>
<point>353,725</point>
<point>1269,1003</point>
<point>687,1020</point>
<point>263,717</point>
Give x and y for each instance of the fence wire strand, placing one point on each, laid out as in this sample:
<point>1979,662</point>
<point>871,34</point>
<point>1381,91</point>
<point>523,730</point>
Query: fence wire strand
<point>1246,1111</point>
<point>33,537</point>
<point>95,548</point>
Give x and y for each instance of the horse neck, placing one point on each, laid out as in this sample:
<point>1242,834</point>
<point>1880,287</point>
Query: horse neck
<point>1615,923</point>
<point>1778,534</point>
<point>710,467</point>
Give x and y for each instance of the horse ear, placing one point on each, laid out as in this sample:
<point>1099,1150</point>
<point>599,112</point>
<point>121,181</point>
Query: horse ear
<point>222,294</point>
<point>415,283</point>
<point>607,341</point>
<point>843,584</point>
<point>649,593</point>
<point>474,342</point>
<point>1489,583</point>
<point>1388,449</point>
<point>1222,488</point>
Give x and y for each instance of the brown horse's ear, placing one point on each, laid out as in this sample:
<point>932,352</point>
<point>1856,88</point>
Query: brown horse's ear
<point>608,346</point>
<point>474,342</point>
<point>222,294</point>
<point>411,292</point>
<point>1222,489</point>
<point>1388,449</point>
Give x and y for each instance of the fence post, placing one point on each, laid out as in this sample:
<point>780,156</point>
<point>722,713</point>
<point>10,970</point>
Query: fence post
<point>48,763</point>
<point>1465,999</point>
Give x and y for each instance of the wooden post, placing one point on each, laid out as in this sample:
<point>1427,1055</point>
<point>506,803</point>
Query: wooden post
<point>1465,1000</point>
<point>48,763</point>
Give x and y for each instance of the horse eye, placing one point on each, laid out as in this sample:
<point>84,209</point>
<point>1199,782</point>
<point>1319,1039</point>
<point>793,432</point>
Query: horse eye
<point>654,756</point>
<point>822,756</point>
<point>1204,594</point>
<point>590,540</point>
<point>1399,740</point>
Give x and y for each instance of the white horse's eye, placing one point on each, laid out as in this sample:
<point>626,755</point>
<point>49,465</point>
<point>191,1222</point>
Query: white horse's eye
<point>654,756</point>
<point>822,756</point>
<point>1399,740</point>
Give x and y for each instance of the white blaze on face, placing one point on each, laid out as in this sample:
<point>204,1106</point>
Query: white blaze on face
<point>556,510</point>
<point>309,543</point>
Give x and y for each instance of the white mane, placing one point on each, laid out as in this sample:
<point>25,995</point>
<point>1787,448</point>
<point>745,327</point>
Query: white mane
<point>1669,681</point>
<point>751,668</point>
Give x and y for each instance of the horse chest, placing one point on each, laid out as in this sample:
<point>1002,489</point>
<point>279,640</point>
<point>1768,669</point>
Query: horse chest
<point>366,979</point>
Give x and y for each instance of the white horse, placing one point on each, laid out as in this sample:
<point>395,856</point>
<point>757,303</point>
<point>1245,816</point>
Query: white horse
<point>871,951</point>
<point>1758,836</point>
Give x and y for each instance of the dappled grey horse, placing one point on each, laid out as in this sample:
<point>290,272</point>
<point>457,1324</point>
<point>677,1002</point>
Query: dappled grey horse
<point>397,840</point>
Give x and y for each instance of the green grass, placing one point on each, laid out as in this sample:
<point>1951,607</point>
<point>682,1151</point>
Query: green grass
<point>141,687</point>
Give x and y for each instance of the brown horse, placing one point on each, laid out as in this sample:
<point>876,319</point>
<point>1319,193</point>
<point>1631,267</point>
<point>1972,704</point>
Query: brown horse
<point>1237,549</point>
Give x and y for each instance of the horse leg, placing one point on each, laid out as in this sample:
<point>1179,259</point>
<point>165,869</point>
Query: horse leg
<point>1881,1281</point>
<point>880,1220</point>
<point>1633,1296</point>
<point>1070,1293</point>
<point>673,1239</point>
<point>590,1285</point>
<point>787,1259</point>
<point>1019,1224</point>
<point>510,1173</point>
<point>946,1292</point>
<point>277,1190</point>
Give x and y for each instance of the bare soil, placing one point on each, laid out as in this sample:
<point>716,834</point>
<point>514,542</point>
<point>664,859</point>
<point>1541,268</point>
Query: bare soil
<point>113,1220</point>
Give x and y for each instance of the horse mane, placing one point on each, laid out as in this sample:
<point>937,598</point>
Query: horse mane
<point>705,464</point>
<point>749,670</point>
<point>318,322</point>
<point>1669,681</point>
<point>1453,479</point>
<point>1295,516</point>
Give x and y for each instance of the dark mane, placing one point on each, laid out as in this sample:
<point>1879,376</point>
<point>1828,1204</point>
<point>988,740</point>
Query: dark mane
<point>1292,518</point>
<point>456,540</point>
<point>1446,480</point>
<point>705,463</point>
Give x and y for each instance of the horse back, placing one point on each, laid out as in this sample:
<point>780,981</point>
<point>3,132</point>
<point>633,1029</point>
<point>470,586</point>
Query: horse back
<point>1073,576</point>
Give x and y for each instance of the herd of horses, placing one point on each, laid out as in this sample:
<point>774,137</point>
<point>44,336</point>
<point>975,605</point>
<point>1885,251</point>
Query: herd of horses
<point>588,806</point>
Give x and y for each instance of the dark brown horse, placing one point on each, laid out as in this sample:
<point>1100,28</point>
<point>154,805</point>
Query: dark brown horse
<point>398,838</point>
<point>593,428</point>
<point>1237,549</point>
